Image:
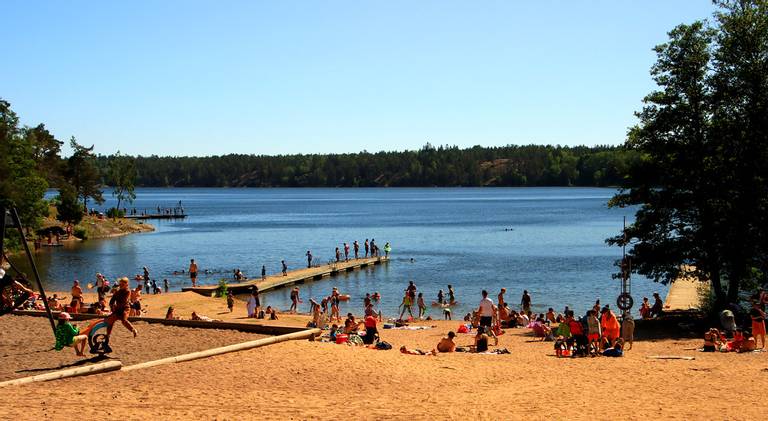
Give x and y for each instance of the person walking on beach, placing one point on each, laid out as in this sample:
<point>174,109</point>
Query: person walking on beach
<point>253,303</point>
<point>193,272</point>
<point>525,302</point>
<point>356,247</point>
<point>120,307</point>
<point>230,301</point>
<point>366,248</point>
<point>422,305</point>
<point>309,258</point>
<point>346,252</point>
<point>485,311</point>
<point>285,268</point>
<point>263,272</point>
<point>294,300</point>
<point>335,304</point>
<point>406,305</point>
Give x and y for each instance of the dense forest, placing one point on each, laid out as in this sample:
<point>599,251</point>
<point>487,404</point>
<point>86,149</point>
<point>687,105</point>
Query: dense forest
<point>532,165</point>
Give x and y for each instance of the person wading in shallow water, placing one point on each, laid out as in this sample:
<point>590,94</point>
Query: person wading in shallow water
<point>193,272</point>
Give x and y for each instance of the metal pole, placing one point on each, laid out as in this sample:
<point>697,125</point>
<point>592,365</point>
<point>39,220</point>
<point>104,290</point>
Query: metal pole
<point>17,222</point>
<point>2,230</point>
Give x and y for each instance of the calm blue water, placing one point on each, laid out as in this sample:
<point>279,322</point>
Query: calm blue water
<point>555,247</point>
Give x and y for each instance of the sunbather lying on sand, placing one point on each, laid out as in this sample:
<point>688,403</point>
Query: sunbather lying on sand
<point>414,351</point>
<point>202,318</point>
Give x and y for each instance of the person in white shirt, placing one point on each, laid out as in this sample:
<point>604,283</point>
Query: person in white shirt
<point>486,311</point>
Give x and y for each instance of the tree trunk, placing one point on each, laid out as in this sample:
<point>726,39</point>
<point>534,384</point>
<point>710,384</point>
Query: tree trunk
<point>717,286</point>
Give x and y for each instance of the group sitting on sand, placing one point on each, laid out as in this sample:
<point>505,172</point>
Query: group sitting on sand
<point>743,339</point>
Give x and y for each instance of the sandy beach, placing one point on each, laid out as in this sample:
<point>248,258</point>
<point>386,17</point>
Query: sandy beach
<point>317,380</point>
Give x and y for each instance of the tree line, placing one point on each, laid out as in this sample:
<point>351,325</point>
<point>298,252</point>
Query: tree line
<point>442,166</point>
<point>31,163</point>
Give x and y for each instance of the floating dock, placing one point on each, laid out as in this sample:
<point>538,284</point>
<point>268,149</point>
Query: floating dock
<point>157,216</point>
<point>298,276</point>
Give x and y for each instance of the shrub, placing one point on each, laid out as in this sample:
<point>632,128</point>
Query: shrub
<point>115,213</point>
<point>221,291</point>
<point>80,233</point>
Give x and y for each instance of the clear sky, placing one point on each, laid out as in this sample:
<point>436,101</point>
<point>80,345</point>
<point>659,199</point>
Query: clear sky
<point>277,77</point>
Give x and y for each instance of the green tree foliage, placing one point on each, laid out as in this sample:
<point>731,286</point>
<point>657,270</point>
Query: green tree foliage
<point>703,139</point>
<point>20,184</point>
<point>46,153</point>
<point>69,210</point>
<point>531,165</point>
<point>122,176</point>
<point>83,174</point>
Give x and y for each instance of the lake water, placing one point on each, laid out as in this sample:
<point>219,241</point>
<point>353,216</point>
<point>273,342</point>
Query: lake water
<point>549,241</point>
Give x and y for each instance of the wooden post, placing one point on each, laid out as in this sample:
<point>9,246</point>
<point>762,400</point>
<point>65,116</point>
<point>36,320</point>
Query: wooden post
<point>63,374</point>
<point>304,334</point>
<point>17,221</point>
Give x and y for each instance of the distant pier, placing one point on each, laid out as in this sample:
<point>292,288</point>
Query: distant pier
<point>157,216</point>
<point>298,276</point>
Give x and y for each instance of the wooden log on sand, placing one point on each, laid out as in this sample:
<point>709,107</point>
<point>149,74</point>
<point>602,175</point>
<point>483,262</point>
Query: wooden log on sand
<point>304,334</point>
<point>70,372</point>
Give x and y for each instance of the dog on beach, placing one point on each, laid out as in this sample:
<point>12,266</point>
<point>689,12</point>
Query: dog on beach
<point>627,329</point>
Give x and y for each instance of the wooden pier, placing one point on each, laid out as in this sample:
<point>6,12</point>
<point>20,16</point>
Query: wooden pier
<point>685,294</point>
<point>157,216</point>
<point>298,276</point>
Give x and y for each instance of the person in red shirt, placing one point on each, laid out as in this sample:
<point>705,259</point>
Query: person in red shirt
<point>370,329</point>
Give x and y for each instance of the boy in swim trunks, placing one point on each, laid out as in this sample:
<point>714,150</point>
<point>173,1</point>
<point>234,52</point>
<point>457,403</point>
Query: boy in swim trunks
<point>120,307</point>
<point>193,272</point>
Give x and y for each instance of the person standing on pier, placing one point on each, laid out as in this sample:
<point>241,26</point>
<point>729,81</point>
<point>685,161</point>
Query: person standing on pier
<point>263,272</point>
<point>309,258</point>
<point>366,248</point>
<point>374,250</point>
<point>387,249</point>
<point>193,272</point>
<point>346,252</point>
<point>356,246</point>
<point>338,255</point>
<point>285,268</point>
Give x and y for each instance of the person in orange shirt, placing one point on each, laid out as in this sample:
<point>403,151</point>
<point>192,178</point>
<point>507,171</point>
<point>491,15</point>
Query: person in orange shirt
<point>610,325</point>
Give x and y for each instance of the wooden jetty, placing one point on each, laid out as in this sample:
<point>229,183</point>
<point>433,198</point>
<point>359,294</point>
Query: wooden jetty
<point>157,216</point>
<point>298,276</point>
<point>685,294</point>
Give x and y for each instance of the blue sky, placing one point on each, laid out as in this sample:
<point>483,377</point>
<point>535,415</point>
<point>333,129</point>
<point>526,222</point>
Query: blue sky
<point>279,77</point>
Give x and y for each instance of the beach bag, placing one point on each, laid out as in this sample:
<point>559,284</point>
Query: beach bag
<point>462,329</point>
<point>383,345</point>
